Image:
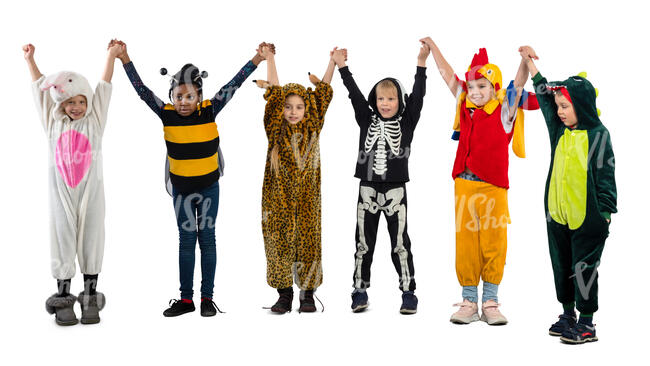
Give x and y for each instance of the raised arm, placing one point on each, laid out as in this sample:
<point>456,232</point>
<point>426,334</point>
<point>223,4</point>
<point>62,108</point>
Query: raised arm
<point>528,55</point>
<point>271,71</point>
<point>359,102</point>
<point>42,98</point>
<point>114,50</point>
<point>520,81</point>
<point>223,96</point>
<point>445,69</point>
<point>28,50</point>
<point>145,93</point>
<point>544,95</point>
<point>329,72</point>
<point>415,100</point>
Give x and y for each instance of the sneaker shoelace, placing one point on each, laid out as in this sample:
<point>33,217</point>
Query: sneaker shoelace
<point>215,305</point>
<point>175,302</point>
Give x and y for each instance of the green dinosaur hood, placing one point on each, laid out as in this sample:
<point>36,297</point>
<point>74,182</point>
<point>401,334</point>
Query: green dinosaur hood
<point>583,98</point>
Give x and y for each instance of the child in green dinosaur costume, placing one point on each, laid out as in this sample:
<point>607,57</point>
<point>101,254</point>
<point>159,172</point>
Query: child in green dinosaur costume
<point>579,198</point>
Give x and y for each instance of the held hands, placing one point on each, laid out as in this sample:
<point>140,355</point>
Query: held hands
<point>428,41</point>
<point>339,56</point>
<point>266,50</point>
<point>117,49</point>
<point>424,51</point>
<point>28,50</point>
<point>527,53</point>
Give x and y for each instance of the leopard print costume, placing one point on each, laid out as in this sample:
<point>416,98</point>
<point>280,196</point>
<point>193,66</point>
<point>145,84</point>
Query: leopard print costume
<point>291,201</point>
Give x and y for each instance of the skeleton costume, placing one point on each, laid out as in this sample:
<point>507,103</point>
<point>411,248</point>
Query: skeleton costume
<point>75,171</point>
<point>291,200</point>
<point>382,167</point>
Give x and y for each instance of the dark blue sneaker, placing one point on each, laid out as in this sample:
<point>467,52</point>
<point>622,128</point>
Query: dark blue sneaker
<point>579,334</point>
<point>359,301</point>
<point>565,323</point>
<point>409,303</point>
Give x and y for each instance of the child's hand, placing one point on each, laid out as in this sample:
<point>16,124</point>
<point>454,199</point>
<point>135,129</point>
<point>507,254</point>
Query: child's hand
<point>339,56</point>
<point>266,50</point>
<point>528,52</point>
<point>115,48</point>
<point>122,54</point>
<point>424,52</point>
<point>28,50</point>
<point>428,41</point>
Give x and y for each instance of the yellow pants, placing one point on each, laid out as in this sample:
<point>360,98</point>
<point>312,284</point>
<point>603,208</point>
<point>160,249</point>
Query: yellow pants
<point>482,220</point>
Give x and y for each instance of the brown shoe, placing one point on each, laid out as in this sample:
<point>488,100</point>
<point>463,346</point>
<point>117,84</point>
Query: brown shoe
<point>307,304</point>
<point>283,305</point>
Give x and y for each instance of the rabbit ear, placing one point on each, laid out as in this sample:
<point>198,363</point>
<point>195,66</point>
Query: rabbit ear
<point>50,81</point>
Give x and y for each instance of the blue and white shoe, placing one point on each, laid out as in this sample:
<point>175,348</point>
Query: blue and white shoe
<point>579,334</point>
<point>359,301</point>
<point>409,303</point>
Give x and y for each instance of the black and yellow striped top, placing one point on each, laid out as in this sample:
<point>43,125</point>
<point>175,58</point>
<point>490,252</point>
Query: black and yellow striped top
<point>192,141</point>
<point>192,144</point>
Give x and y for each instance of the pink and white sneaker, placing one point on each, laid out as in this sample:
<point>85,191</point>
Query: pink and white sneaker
<point>467,313</point>
<point>490,313</point>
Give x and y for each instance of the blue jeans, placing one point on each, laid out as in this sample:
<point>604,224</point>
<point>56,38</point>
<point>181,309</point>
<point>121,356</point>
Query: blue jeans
<point>203,205</point>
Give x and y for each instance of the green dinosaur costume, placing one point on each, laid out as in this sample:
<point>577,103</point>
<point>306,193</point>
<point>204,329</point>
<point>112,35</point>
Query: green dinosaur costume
<point>580,191</point>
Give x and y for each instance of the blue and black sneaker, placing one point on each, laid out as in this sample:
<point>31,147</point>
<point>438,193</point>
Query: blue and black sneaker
<point>359,301</point>
<point>579,334</point>
<point>565,323</point>
<point>409,303</point>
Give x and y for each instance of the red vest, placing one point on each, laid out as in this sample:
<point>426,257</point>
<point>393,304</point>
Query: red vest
<point>483,147</point>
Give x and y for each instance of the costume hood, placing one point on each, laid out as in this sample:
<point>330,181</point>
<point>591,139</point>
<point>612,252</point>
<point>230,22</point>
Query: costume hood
<point>582,95</point>
<point>372,99</point>
<point>67,84</point>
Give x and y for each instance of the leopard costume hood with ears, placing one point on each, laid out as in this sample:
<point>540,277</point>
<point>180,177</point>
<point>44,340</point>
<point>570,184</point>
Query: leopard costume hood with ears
<point>307,96</point>
<point>67,84</point>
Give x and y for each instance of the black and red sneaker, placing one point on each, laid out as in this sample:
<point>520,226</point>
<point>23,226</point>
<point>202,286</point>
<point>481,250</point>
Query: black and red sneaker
<point>179,307</point>
<point>208,307</point>
<point>579,334</point>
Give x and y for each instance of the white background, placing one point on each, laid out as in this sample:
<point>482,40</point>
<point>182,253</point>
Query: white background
<point>140,271</point>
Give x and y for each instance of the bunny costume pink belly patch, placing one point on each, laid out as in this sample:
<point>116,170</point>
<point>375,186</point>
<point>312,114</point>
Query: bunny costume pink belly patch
<point>73,157</point>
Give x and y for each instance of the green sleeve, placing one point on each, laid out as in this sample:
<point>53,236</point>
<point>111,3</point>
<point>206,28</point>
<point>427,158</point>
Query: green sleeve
<point>604,173</point>
<point>546,102</point>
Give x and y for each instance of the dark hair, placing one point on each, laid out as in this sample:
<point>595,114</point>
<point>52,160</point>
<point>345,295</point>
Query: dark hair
<point>188,74</point>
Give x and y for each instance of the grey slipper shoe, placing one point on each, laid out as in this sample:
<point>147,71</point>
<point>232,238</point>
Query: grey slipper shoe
<point>62,306</point>
<point>90,307</point>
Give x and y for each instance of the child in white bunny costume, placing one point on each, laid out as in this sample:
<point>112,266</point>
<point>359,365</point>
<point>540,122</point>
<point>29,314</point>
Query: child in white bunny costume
<point>74,118</point>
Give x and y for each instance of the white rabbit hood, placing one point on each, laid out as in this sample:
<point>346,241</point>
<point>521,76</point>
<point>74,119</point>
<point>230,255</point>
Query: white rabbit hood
<point>67,84</point>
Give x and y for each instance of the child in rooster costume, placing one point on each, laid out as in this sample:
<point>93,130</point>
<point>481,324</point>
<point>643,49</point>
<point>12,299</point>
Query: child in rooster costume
<point>487,118</point>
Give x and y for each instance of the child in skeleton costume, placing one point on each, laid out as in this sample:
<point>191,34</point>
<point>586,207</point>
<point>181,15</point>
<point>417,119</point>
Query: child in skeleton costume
<point>487,118</point>
<point>387,120</point>
<point>291,200</point>
<point>579,197</point>
<point>74,118</point>
<point>194,163</point>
